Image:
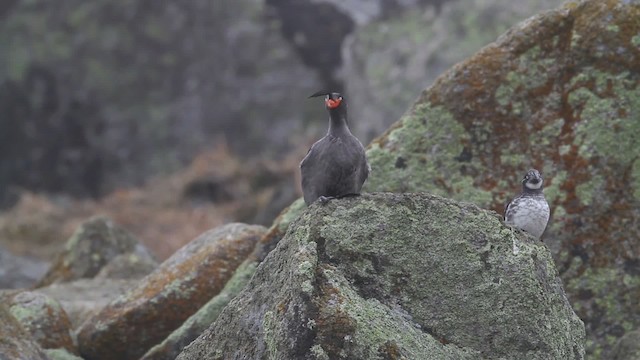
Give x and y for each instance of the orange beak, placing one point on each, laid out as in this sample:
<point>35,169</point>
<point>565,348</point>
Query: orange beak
<point>332,104</point>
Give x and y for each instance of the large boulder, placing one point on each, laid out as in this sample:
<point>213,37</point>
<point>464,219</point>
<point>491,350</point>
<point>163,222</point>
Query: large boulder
<point>146,314</point>
<point>388,62</point>
<point>398,276</point>
<point>559,92</point>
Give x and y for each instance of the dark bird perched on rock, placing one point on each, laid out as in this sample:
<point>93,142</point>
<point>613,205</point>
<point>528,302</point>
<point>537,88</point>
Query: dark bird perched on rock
<point>529,211</point>
<point>336,165</point>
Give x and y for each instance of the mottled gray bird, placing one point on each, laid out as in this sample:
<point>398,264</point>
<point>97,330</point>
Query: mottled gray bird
<point>336,165</point>
<point>529,211</point>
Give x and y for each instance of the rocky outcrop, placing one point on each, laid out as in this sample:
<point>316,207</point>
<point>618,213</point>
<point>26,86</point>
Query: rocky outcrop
<point>93,245</point>
<point>145,315</point>
<point>559,92</point>
<point>398,276</point>
<point>200,321</point>
<point>42,318</point>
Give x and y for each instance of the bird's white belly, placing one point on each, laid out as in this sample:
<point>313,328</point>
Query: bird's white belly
<point>531,216</point>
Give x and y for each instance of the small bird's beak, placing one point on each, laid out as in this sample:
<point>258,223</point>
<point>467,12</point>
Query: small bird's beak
<point>319,93</point>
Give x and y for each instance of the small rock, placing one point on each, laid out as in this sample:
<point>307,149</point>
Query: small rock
<point>94,244</point>
<point>15,342</point>
<point>128,266</point>
<point>43,318</point>
<point>85,297</point>
<point>148,313</point>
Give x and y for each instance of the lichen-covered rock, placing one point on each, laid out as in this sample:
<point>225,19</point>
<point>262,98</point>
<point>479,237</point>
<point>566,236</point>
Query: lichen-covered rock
<point>43,318</point>
<point>409,276</point>
<point>200,321</point>
<point>145,315</point>
<point>559,92</point>
<point>15,342</point>
<point>83,298</point>
<point>93,245</point>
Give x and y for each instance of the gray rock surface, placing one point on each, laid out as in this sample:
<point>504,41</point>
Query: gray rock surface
<point>398,276</point>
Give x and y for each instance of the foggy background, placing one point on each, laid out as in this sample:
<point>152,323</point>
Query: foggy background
<point>174,117</point>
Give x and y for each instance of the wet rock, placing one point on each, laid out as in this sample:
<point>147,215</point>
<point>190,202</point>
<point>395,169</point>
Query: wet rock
<point>19,271</point>
<point>558,92</point>
<point>94,244</point>
<point>15,342</point>
<point>43,318</point>
<point>398,276</point>
<point>83,298</point>
<point>162,301</point>
<point>388,62</point>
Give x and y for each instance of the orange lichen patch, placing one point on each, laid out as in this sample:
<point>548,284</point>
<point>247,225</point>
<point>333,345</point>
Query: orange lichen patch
<point>167,297</point>
<point>43,318</point>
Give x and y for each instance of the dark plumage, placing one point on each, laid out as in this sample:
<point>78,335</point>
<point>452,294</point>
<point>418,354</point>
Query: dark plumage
<point>529,211</point>
<point>336,165</point>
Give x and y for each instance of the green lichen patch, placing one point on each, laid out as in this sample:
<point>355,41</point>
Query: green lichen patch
<point>560,93</point>
<point>409,159</point>
<point>603,294</point>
